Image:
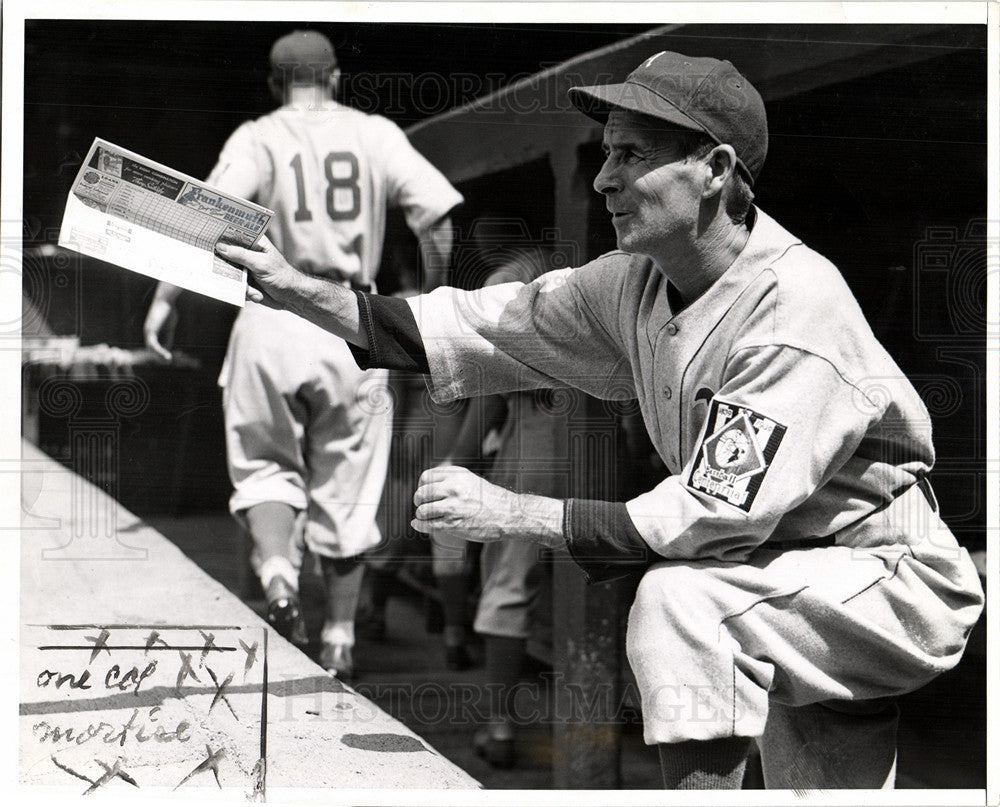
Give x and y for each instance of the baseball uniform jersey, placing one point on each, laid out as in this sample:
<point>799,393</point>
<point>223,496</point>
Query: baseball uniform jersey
<point>801,556</point>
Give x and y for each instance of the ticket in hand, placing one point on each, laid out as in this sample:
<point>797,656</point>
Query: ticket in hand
<point>142,216</point>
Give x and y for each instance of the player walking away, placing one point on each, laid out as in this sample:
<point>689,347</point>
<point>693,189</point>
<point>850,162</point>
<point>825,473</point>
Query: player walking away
<point>798,575</point>
<point>307,432</point>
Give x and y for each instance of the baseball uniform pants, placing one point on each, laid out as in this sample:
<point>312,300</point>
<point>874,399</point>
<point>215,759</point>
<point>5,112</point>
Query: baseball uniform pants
<point>306,427</point>
<point>806,636</point>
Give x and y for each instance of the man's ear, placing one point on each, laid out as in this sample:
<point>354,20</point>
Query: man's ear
<point>333,81</point>
<point>720,163</point>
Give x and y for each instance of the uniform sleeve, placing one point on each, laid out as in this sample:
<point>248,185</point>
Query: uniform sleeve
<point>783,422</point>
<point>548,333</point>
<point>602,540</point>
<point>243,167</point>
<point>413,184</point>
<point>393,337</point>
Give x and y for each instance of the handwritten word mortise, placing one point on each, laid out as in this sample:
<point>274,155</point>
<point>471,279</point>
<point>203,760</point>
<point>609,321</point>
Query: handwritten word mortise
<point>115,733</point>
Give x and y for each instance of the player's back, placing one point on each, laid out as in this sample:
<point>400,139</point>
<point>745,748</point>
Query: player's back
<point>328,185</point>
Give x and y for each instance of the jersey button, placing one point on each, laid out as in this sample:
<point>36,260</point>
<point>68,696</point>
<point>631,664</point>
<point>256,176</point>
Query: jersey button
<point>671,328</point>
<point>668,393</point>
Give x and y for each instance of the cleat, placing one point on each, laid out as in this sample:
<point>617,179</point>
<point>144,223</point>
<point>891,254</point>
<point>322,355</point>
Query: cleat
<point>285,617</point>
<point>497,751</point>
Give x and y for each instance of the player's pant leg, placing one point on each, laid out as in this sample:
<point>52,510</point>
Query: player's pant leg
<point>835,744</point>
<point>347,454</point>
<point>451,575</point>
<point>448,555</point>
<point>409,455</point>
<point>852,744</point>
<point>712,643</point>
<point>264,428</point>
<point>347,449</point>
<point>509,586</point>
<point>693,681</point>
<point>531,458</point>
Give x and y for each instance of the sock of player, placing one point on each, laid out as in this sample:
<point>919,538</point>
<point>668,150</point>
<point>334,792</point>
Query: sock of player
<point>704,764</point>
<point>341,633</point>
<point>343,578</point>
<point>278,566</point>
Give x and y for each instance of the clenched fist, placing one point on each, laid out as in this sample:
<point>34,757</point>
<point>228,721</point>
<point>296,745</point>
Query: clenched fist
<point>454,501</point>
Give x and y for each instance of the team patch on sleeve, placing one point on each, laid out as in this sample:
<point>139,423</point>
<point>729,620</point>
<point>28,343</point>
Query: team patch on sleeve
<point>735,453</point>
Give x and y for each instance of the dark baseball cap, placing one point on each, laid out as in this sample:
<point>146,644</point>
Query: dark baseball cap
<point>302,56</point>
<point>697,93</point>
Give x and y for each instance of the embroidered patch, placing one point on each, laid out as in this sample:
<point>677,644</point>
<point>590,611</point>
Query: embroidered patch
<point>733,458</point>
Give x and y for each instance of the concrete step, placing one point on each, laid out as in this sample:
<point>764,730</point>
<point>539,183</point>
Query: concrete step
<point>122,686</point>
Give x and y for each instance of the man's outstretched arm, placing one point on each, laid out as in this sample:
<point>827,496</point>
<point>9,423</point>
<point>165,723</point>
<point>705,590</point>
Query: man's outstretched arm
<point>600,535</point>
<point>161,320</point>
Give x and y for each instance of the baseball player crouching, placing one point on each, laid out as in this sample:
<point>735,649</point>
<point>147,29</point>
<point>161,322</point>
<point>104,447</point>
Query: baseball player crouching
<point>799,576</point>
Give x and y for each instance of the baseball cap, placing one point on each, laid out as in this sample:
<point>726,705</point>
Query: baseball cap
<point>302,56</point>
<point>698,93</point>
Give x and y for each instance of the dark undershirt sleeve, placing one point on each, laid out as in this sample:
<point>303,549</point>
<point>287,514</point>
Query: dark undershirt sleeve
<point>602,539</point>
<point>394,339</point>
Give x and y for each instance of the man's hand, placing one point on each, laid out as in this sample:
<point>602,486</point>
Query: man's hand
<point>160,325</point>
<point>324,302</point>
<point>267,267</point>
<point>454,501</point>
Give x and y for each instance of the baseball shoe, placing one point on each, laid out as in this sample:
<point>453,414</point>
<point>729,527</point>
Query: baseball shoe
<point>338,660</point>
<point>286,618</point>
<point>496,749</point>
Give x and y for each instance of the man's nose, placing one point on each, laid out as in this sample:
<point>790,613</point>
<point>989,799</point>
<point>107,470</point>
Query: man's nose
<point>607,180</point>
